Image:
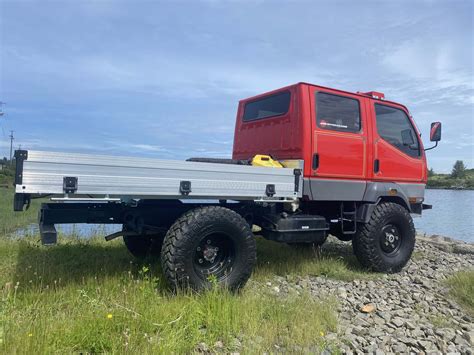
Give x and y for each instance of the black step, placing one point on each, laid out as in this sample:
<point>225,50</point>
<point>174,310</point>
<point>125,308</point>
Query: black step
<point>352,214</point>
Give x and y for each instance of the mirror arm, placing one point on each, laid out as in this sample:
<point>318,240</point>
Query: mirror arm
<point>436,144</point>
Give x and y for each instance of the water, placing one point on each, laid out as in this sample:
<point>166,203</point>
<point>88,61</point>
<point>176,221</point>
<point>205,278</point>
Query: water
<point>81,230</point>
<point>452,214</point>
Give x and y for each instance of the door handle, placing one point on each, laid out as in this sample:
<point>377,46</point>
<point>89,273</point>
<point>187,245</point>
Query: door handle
<point>376,166</point>
<point>315,161</point>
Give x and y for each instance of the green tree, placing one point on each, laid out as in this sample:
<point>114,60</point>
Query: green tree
<point>431,172</point>
<point>459,170</point>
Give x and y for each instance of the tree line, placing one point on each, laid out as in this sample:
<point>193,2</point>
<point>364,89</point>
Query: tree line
<point>458,171</point>
<point>460,177</point>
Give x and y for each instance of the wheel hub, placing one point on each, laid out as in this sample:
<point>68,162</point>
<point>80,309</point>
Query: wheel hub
<point>215,254</point>
<point>391,239</point>
<point>210,253</point>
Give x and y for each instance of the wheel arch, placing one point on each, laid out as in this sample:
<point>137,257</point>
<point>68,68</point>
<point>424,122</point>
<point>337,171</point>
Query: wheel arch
<point>365,210</point>
<point>395,199</point>
<point>377,192</point>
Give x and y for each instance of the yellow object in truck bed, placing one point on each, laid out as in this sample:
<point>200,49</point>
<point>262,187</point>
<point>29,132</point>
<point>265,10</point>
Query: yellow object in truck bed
<point>266,161</point>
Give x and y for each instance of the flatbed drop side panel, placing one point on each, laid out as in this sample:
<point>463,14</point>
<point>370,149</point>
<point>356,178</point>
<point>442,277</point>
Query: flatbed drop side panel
<point>99,176</point>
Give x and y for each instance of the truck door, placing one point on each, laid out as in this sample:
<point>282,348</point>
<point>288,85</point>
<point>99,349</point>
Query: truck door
<point>398,152</point>
<point>339,135</point>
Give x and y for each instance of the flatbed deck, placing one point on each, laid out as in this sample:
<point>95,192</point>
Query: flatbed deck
<point>86,176</point>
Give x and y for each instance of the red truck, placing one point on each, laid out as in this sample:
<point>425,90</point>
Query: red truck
<point>307,161</point>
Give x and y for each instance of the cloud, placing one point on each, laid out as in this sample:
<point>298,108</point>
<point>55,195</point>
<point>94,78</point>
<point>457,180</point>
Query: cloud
<point>432,70</point>
<point>420,60</point>
<point>148,147</point>
<point>163,79</point>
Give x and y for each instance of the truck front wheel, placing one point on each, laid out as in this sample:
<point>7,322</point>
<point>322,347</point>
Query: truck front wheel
<point>209,245</point>
<point>386,242</point>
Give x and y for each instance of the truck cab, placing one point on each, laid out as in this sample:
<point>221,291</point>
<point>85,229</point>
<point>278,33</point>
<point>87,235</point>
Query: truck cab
<point>355,146</point>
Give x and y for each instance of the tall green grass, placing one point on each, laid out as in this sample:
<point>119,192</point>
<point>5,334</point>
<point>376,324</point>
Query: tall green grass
<point>89,296</point>
<point>10,220</point>
<point>462,289</point>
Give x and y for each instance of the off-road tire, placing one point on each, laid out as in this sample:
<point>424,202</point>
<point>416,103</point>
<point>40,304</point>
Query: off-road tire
<point>186,235</point>
<point>143,246</point>
<point>367,243</point>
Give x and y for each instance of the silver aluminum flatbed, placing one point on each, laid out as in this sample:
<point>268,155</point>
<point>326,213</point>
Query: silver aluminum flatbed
<point>108,177</point>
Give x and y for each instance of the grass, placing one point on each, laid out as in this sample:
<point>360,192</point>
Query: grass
<point>462,289</point>
<point>6,174</point>
<point>417,255</point>
<point>283,260</point>
<point>90,296</point>
<point>10,220</point>
<point>441,321</point>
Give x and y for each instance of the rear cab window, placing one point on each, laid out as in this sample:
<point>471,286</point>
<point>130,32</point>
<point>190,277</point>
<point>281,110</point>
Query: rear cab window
<point>337,113</point>
<point>392,125</point>
<point>269,106</point>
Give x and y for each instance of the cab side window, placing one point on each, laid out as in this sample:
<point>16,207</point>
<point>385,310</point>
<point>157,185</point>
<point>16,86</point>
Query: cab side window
<point>270,106</point>
<point>337,113</point>
<point>394,127</point>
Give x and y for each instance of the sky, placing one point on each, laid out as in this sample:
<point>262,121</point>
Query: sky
<point>162,79</point>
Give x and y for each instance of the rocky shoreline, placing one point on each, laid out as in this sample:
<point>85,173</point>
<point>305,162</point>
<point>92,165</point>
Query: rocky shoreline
<point>409,312</point>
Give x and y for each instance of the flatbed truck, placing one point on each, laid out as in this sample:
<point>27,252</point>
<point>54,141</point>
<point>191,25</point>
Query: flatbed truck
<point>307,161</point>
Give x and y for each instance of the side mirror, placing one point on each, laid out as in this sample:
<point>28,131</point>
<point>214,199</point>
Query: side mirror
<point>435,132</point>
<point>407,138</point>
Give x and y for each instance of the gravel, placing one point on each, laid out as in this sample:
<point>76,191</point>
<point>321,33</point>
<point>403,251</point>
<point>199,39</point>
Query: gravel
<point>401,313</point>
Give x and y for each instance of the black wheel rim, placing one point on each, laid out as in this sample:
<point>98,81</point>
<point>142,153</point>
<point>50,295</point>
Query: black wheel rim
<point>391,239</point>
<point>214,255</point>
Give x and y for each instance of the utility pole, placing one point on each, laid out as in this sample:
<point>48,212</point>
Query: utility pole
<point>11,145</point>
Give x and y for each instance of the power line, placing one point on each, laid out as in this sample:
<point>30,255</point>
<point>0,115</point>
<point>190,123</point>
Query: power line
<point>11,144</point>
<point>1,121</point>
<point>1,114</point>
<point>3,130</point>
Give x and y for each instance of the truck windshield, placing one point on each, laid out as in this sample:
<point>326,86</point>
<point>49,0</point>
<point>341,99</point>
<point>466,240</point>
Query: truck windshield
<point>274,105</point>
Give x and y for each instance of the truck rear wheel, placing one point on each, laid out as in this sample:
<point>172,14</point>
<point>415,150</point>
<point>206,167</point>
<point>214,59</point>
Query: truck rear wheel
<point>386,242</point>
<point>209,243</point>
<point>142,246</point>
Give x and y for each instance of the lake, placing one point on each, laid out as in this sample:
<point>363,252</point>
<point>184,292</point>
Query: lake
<point>452,214</point>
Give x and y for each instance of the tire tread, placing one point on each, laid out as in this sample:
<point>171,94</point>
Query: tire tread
<point>365,243</point>
<point>180,235</point>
